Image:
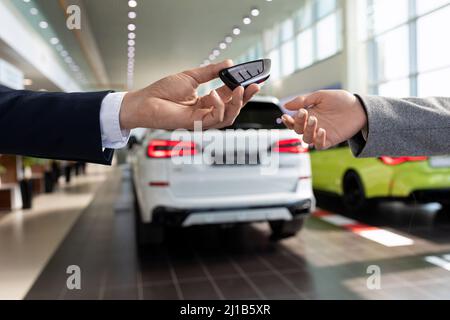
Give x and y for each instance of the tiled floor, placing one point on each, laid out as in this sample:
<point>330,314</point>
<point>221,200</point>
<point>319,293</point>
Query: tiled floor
<point>322,262</point>
<point>29,238</point>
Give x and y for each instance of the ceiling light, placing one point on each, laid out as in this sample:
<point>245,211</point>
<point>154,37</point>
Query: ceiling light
<point>236,31</point>
<point>131,27</point>
<point>59,47</point>
<point>212,57</point>
<point>255,12</point>
<point>43,24</point>
<point>34,11</point>
<point>26,1</point>
<point>247,20</point>
<point>216,52</point>
<point>68,59</point>
<point>269,0</point>
<point>54,41</point>
<point>130,54</point>
<point>228,39</point>
<point>132,4</point>
<point>132,15</point>
<point>64,53</point>
<point>222,45</point>
<point>131,43</point>
<point>131,49</point>
<point>27,82</point>
<point>131,35</point>
<point>206,62</point>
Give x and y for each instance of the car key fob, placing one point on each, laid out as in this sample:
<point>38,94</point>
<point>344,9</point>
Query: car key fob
<point>246,74</point>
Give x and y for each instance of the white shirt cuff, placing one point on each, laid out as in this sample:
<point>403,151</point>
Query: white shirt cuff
<point>113,137</point>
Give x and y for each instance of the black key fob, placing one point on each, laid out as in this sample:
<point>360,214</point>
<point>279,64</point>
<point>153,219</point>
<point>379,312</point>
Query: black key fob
<point>246,74</point>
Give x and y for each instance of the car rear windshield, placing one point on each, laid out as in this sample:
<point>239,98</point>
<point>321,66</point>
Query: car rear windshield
<point>259,115</point>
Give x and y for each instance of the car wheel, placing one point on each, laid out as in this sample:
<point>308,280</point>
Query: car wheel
<point>354,198</point>
<point>285,229</point>
<point>147,234</point>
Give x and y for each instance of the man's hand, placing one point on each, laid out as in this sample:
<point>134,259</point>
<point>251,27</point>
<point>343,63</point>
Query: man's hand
<point>172,103</point>
<point>326,118</point>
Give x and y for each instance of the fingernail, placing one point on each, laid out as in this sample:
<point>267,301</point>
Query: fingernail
<point>311,121</point>
<point>302,113</point>
<point>284,117</point>
<point>321,133</point>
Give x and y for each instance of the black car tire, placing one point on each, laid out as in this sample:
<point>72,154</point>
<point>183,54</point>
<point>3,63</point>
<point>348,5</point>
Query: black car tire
<point>285,229</point>
<point>354,198</point>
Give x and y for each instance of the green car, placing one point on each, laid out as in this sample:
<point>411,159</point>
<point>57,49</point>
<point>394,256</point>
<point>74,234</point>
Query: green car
<point>357,181</point>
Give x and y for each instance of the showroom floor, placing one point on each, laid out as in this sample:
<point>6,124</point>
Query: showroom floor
<point>329,259</point>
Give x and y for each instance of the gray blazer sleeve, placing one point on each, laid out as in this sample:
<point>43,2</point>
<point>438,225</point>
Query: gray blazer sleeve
<point>404,127</point>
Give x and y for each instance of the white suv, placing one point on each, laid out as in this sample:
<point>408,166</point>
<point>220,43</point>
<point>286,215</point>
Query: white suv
<point>254,171</point>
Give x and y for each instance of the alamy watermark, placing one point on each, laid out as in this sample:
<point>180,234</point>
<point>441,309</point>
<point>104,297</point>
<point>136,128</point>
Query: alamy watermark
<point>373,282</point>
<point>73,281</point>
<point>73,17</point>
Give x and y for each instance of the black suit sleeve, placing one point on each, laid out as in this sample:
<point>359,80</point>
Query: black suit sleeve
<point>63,126</point>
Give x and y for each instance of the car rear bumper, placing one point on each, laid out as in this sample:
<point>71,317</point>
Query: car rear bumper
<point>175,217</point>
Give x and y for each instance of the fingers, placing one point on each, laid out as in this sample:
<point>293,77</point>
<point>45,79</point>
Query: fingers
<point>213,100</point>
<point>225,93</point>
<point>305,101</point>
<point>250,92</point>
<point>300,121</point>
<point>288,121</point>
<point>209,72</point>
<point>321,139</point>
<point>296,104</point>
<point>309,135</point>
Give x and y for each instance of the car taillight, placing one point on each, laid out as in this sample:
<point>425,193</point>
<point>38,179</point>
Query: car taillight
<point>289,146</point>
<point>391,161</point>
<point>167,149</point>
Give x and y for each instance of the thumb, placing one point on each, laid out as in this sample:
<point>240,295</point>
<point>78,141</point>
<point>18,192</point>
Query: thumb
<point>304,101</point>
<point>209,72</point>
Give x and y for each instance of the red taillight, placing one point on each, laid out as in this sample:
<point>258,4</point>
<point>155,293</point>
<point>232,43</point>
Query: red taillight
<point>289,146</point>
<point>390,161</point>
<point>167,149</point>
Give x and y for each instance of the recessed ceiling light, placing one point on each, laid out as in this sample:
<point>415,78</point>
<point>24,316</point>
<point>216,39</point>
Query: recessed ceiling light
<point>236,31</point>
<point>34,11</point>
<point>216,52</point>
<point>131,35</point>
<point>27,82</point>
<point>206,62</point>
<point>269,0</point>
<point>247,20</point>
<point>59,47</point>
<point>131,43</point>
<point>222,45</point>
<point>54,41</point>
<point>228,39</point>
<point>132,15</point>
<point>131,49</point>
<point>212,57</point>
<point>68,59</point>
<point>130,54</point>
<point>255,12</point>
<point>131,27</point>
<point>43,24</point>
<point>64,53</point>
<point>132,3</point>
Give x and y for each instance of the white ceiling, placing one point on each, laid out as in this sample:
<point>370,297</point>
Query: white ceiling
<point>172,35</point>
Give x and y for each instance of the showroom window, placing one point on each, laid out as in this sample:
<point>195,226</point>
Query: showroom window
<point>313,33</point>
<point>407,56</point>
